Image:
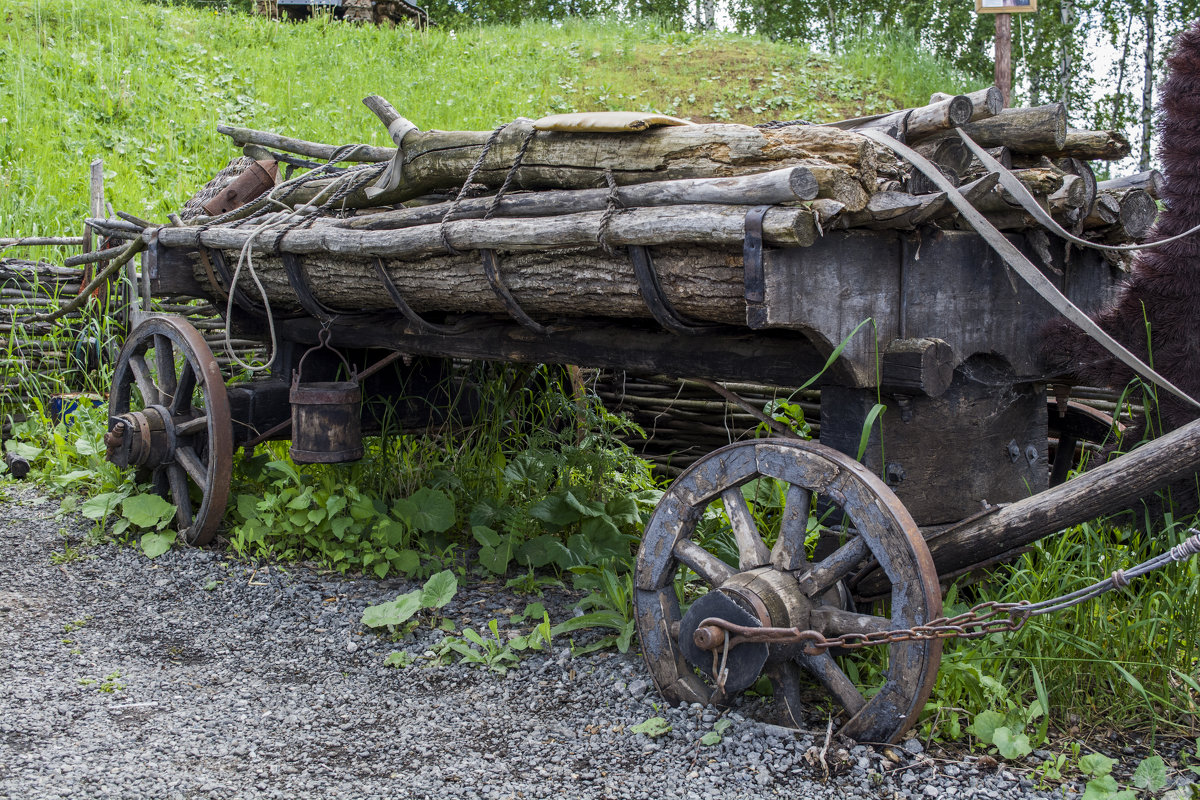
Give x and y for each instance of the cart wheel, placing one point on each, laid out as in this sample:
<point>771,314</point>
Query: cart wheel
<point>169,416</point>
<point>779,586</point>
<point>1079,423</point>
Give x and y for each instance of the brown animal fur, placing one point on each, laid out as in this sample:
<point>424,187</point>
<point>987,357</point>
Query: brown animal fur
<point>1163,289</point>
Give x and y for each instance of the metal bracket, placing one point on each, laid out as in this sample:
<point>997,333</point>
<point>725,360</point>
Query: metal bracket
<point>217,259</point>
<point>652,294</point>
<point>416,320</point>
<point>304,295</point>
<point>491,269</point>
<point>752,255</point>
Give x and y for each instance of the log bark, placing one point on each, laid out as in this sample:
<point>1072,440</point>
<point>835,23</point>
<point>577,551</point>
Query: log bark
<point>1131,213</point>
<point>1151,181</point>
<point>1092,146</point>
<point>704,283</point>
<point>244,136</point>
<point>985,103</point>
<point>1036,130</point>
<point>786,185</point>
<point>699,224</point>
<point>559,160</point>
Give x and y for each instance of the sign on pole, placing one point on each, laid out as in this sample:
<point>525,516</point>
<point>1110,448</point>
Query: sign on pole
<point>1005,6</point>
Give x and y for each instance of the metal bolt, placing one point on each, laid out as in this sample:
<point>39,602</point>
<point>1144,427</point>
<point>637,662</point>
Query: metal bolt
<point>1014,451</point>
<point>894,473</point>
<point>1031,454</point>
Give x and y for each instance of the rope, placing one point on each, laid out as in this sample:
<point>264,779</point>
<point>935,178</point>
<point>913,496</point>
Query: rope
<point>512,173</point>
<point>612,205</point>
<point>1119,580</point>
<point>462,192</point>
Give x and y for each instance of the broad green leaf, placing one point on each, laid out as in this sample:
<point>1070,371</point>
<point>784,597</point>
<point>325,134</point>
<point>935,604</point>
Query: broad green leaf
<point>398,659</point>
<point>147,510</point>
<point>722,725</point>
<point>1151,774</point>
<point>439,589</point>
<point>984,726</point>
<point>1096,764</point>
<point>623,510</point>
<point>555,512</point>
<point>101,505</point>
<point>87,447</point>
<point>485,536</point>
<point>335,504</point>
<point>540,551</point>
<point>1011,745</point>
<point>73,476</point>
<point>382,568</point>
<point>586,508</point>
<point>426,510</point>
<point>710,738</point>
<point>407,561</point>
<point>596,619</point>
<point>155,544</point>
<point>496,559</point>
<point>393,612</point>
<point>1105,788</point>
<point>248,506</point>
<point>653,727</point>
<point>340,525</point>
<point>25,450</point>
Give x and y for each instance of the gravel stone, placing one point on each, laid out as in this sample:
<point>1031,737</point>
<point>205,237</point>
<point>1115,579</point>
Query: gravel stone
<point>200,676</point>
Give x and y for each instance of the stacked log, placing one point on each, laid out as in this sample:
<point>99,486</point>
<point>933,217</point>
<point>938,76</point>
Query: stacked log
<point>559,208</point>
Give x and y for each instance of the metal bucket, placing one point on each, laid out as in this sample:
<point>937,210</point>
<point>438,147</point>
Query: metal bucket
<point>326,417</point>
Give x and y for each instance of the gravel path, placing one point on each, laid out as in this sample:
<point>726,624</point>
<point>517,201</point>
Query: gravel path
<point>196,676</point>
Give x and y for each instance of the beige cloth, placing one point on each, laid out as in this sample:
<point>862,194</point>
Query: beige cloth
<point>605,122</point>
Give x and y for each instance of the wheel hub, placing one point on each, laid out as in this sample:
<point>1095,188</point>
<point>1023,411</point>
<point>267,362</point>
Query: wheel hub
<point>143,438</point>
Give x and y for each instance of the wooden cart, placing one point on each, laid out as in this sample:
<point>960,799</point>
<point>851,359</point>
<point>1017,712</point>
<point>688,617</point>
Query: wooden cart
<point>930,324</point>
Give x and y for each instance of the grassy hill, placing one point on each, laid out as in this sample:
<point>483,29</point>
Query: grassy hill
<point>143,86</point>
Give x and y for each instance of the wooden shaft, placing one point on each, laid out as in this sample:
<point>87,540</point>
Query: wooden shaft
<point>1003,51</point>
<point>300,147</point>
<point>711,224</point>
<point>1106,489</point>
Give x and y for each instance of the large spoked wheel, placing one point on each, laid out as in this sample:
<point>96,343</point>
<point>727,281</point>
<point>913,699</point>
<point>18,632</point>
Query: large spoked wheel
<point>775,584</point>
<point>169,417</point>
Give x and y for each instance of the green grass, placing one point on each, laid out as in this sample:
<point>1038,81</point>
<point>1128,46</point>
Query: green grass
<point>144,86</point>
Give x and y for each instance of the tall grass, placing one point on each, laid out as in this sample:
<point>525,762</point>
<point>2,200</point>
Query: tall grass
<point>1130,656</point>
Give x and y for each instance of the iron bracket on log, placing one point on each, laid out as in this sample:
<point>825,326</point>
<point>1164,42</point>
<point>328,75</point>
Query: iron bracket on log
<point>492,270</point>
<point>216,258</point>
<point>754,279</point>
<point>418,322</point>
<point>652,294</point>
<point>308,301</point>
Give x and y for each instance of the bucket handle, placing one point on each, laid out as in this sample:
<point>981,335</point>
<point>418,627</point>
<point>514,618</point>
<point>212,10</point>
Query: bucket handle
<point>323,343</point>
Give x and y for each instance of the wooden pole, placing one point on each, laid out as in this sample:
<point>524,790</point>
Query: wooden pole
<point>1003,75</point>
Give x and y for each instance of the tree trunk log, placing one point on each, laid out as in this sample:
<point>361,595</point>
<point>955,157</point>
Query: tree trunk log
<point>699,224</point>
<point>1092,146</point>
<point>786,185</point>
<point>1036,130</point>
<point>1150,181</point>
<point>985,103</point>
<point>703,283</point>
<point>300,147</point>
<point>559,160</point>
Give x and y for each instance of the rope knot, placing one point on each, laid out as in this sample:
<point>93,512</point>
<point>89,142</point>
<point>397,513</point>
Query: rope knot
<point>1119,580</point>
<point>1188,547</point>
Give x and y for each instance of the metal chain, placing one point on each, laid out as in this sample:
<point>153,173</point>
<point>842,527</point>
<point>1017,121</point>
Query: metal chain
<point>981,620</point>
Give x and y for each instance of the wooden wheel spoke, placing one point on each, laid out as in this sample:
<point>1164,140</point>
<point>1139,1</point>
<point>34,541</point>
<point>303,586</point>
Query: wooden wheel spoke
<point>186,457</point>
<point>789,552</point>
<point>184,387</point>
<point>180,494</point>
<point>834,622</point>
<point>751,550</point>
<point>713,570</point>
<point>785,679</point>
<point>164,369</point>
<point>834,567</point>
<point>192,426</point>
<point>145,383</point>
<point>826,670</point>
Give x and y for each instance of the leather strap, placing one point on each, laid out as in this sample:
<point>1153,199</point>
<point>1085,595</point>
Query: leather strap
<point>1022,266</point>
<point>1030,204</point>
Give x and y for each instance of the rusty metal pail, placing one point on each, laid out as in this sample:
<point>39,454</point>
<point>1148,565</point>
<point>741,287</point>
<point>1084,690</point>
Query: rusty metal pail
<point>326,416</point>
